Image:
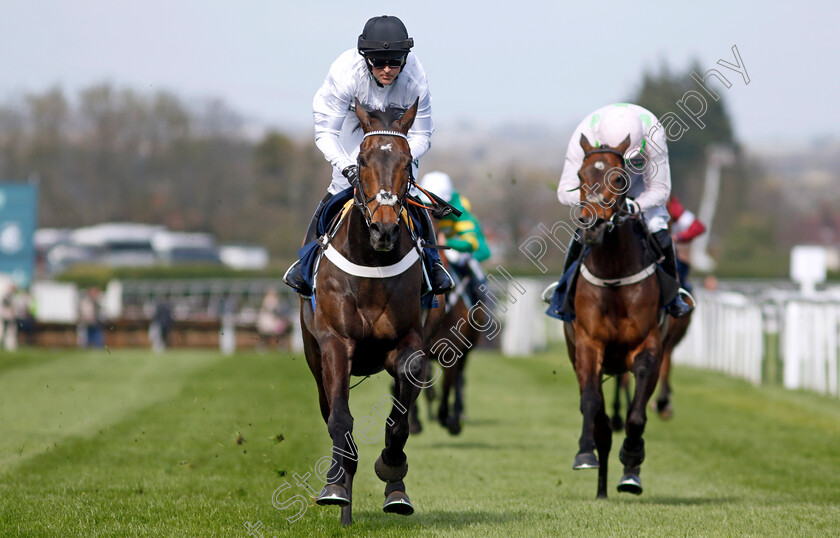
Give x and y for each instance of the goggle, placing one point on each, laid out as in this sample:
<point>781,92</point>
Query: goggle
<point>382,62</point>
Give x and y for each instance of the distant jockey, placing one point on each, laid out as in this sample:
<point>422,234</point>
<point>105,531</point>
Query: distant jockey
<point>650,181</point>
<point>463,234</point>
<point>685,226</point>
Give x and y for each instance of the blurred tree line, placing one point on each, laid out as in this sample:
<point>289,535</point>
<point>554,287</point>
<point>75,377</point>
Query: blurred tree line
<point>113,154</point>
<point>744,236</point>
<point>116,154</point>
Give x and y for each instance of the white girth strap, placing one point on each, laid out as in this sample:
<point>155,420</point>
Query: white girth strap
<point>384,271</point>
<point>624,281</point>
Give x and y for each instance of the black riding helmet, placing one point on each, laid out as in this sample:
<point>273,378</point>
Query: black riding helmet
<point>385,38</point>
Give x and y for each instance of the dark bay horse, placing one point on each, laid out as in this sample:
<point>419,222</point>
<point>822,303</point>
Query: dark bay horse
<point>450,333</point>
<point>677,329</point>
<point>367,314</point>
<point>617,308</point>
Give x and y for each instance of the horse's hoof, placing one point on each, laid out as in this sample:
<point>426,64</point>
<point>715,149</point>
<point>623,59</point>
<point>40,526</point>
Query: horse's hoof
<point>617,423</point>
<point>585,460</point>
<point>333,495</point>
<point>414,428</point>
<point>453,425</point>
<point>630,483</point>
<point>397,503</point>
<point>389,474</point>
<point>665,409</point>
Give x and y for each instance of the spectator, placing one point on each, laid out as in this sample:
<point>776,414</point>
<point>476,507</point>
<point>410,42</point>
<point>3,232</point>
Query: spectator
<point>9,322</point>
<point>161,326</point>
<point>90,320</point>
<point>270,322</point>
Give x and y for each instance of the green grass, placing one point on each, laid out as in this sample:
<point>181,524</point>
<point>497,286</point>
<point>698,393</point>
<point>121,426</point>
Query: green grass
<point>194,444</point>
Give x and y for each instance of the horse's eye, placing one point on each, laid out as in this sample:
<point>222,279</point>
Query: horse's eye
<point>361,162</point>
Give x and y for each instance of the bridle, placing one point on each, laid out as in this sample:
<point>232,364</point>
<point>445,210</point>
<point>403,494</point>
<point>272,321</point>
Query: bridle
<point>383,197</point>
<point>620,215</point>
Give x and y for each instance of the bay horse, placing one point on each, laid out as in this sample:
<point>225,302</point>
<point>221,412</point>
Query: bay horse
<point>677,329</point>
<point>366,315</point>
<point>617,307</point>
<point>452,315</point>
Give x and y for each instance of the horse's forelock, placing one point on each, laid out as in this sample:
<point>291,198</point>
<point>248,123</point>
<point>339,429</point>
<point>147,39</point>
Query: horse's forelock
<point>384,119</point>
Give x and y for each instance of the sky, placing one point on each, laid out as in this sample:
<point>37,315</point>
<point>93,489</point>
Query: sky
<point>526,62</point>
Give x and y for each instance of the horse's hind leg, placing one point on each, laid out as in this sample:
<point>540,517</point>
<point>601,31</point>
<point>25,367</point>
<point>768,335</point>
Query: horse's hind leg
<point>632,454</point>
<point>458,406</point>
<point>445,416</point>
<point>663,401</point>
<point>391,467</point>
<point>603,442</point>
<point>617,420</point>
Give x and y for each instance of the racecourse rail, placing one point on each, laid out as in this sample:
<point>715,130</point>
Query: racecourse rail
<point>764,332</point>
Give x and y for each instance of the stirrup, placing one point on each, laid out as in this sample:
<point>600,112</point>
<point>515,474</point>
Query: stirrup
<point>437,290</point>
<point>548,293</point>
<point>685,293</point>
<point>295,268</point>
<point>678,308</point>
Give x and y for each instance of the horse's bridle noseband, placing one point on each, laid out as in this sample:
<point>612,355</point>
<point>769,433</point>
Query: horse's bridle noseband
<point>383,197</point>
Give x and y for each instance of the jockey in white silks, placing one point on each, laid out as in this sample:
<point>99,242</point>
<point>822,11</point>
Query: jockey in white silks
<point>647,166</point>
<point>380,73</point>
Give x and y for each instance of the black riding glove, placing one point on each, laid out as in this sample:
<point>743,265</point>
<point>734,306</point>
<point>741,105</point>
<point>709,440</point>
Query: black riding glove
<point>351,173</point>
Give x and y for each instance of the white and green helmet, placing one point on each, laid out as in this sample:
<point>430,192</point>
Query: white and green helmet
<point>618,123</point>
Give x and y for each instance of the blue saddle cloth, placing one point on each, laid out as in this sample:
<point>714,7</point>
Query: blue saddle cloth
<point>559,308</point>
<point>309,252</point>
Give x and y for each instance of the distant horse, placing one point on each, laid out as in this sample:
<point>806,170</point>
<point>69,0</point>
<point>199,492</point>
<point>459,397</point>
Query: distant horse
<point>366,315</point>
<point>452,315</point>
<point>617,307</point>
<point>677,329</point>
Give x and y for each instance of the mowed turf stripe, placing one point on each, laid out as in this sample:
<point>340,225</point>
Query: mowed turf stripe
<point>205,461</point>
<point>193,461</point>
<point>50,397</point>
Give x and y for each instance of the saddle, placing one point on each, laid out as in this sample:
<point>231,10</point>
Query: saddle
<point>562,304</point>
<point>327,226</point>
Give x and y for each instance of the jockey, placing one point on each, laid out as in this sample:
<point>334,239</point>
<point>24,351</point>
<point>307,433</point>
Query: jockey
<point>463,234</point>
<point>685,226</point>
<point>380,72</point>
<point>650,178</point>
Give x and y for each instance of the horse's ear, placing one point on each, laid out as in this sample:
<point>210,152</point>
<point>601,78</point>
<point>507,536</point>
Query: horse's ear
<point>404,123</point>
<point>362,114</point>
<point>584,143</point>
<point>625,144</point>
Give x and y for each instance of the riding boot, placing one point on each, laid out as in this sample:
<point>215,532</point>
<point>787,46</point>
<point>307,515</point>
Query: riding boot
<point>293,276</point>
<point>440,280</point>
<point>677,307</point>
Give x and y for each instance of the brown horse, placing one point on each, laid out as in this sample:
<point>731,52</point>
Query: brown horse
<point>616,329</point>
<point>677,329</point>
<point>367,312</point>
<point>450,334</point>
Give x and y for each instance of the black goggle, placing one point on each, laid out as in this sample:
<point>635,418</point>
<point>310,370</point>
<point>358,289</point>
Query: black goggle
<point>383,62</point>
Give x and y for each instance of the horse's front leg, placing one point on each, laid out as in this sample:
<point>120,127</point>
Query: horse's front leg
<point>458,406</point>
<point>406,365</point>
<point>646,362</point>
<point>596,432</point>
<point>335,365</point>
